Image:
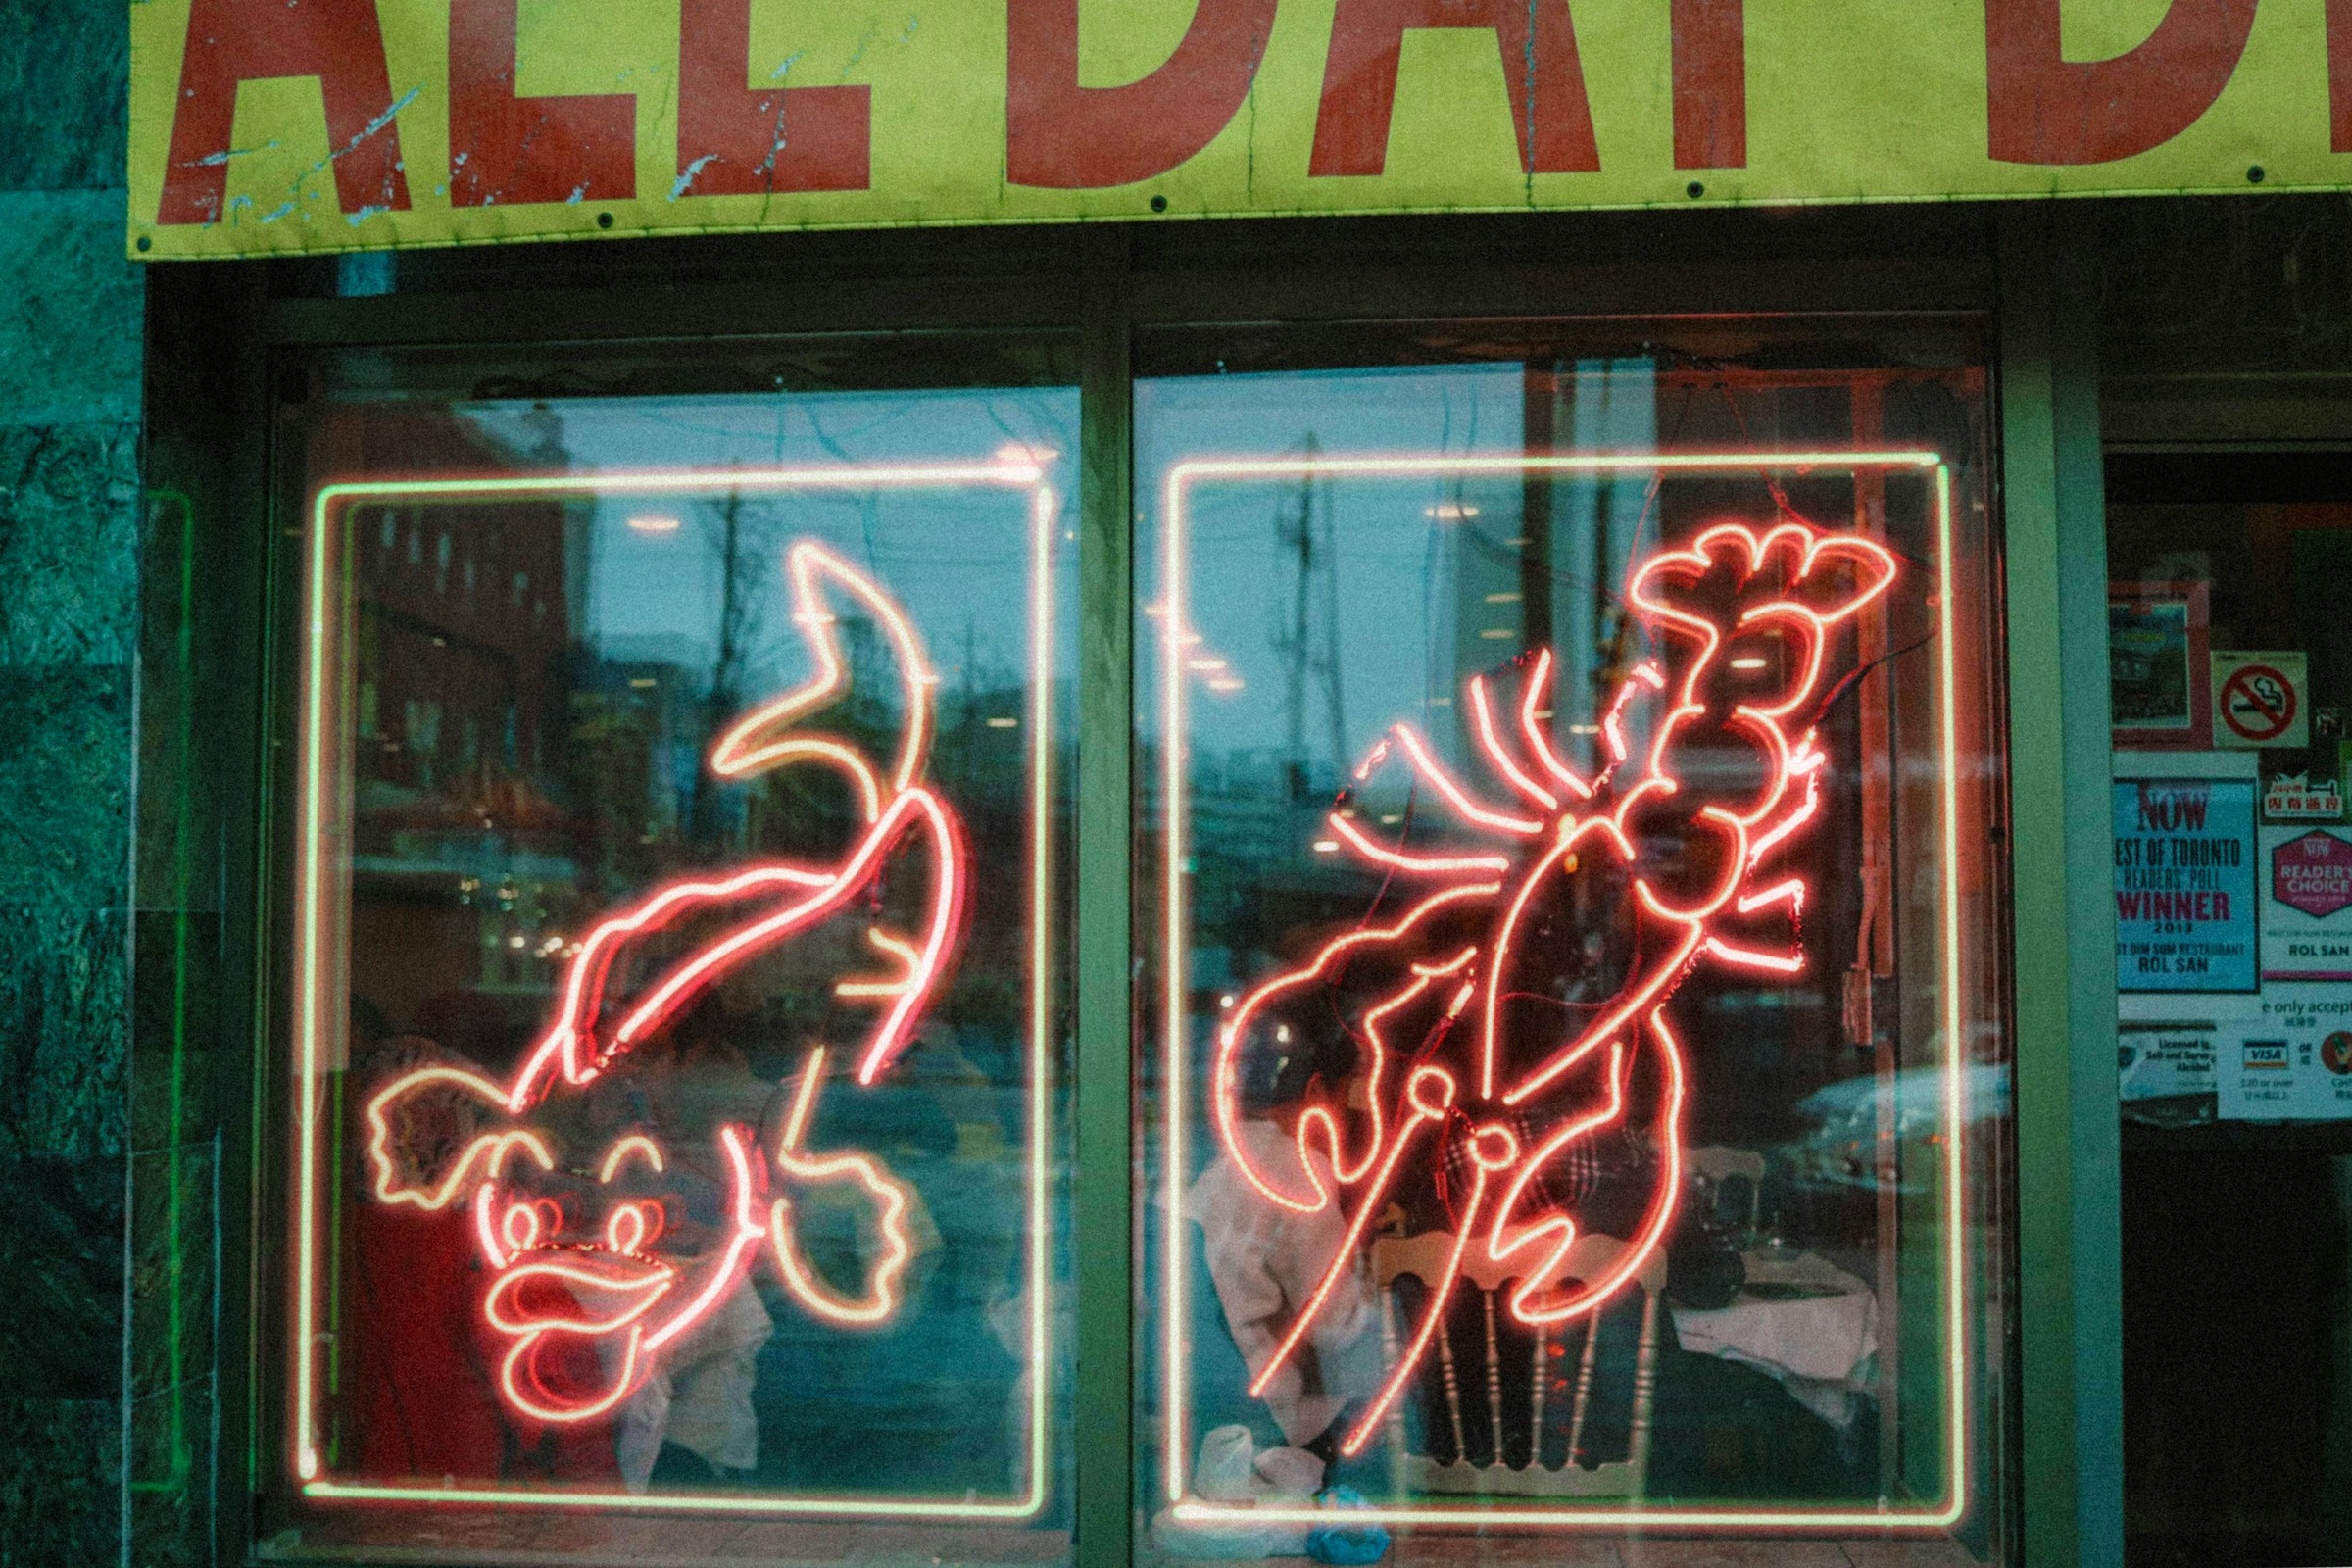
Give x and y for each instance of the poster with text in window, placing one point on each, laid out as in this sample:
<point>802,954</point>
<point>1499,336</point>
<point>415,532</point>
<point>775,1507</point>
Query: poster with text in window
<point>2166,1044</point>
<point>2289,1059</point>
<point>2158,644</point>
<point>2305,903</point>
<point>2185,884</point>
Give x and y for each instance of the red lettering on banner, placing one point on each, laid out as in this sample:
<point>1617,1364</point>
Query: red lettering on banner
<point>1710,84</point>
<point>1063,137</point>
<point>738,140</point>
<point>234,41</point>
<point>2046,109</point>
<point>1548,108</point>
<point>506,150</point>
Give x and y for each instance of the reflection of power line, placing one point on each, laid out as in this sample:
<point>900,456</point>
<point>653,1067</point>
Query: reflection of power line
<point>1308,640</point>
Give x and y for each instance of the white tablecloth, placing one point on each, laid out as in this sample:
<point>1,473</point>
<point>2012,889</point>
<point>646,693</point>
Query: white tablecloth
<point>1816,1345</point>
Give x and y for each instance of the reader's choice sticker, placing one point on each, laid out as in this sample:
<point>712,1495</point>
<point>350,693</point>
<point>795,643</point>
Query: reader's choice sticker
<point>2305,903</point>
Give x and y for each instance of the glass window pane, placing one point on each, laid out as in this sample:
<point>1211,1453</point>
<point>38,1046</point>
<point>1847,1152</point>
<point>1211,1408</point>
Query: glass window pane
<point>674,1041</point>
<point>1576,1079</point>
<point>2231,665</point>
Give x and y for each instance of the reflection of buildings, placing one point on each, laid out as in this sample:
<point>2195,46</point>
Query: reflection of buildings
<point>517,773</point>
<point>1544,561</point>
<point>1242,801</point>
<point>462,621</point>
<point>1306,638</point>
<point>462,627</point>
<point>1516,559</point>
<point>1485,546</point>
<point>1254,873</point>
<point>636,730</point>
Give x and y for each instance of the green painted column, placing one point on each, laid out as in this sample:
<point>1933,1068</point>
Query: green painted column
<point>1105,1243</point>
<point>2069,1197</point>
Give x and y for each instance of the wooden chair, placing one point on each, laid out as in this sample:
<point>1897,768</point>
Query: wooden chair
<point>1717,1163</point>
<point>1424,1257</point>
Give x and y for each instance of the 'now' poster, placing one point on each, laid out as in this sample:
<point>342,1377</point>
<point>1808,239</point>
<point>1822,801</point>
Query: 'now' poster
<point>2185,900</point>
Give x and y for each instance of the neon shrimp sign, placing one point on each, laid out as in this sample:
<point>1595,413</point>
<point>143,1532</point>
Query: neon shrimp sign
<point>1464,1040</point>
<point>594,1271</point>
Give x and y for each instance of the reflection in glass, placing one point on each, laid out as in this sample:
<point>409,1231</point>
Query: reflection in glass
<point>2236,977</point>
<point>674,986</point>
<point>1569,807</point>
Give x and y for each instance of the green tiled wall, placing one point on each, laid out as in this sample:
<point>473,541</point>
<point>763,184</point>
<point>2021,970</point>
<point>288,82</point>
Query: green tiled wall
<point>70,538</point>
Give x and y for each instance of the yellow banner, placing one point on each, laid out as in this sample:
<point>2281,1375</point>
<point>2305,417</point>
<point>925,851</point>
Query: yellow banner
<point>267,126</point>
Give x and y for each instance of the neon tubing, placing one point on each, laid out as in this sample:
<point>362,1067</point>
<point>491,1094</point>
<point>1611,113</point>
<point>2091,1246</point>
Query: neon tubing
<point>1751,958</point>
<point>880,1303</point>
<point>1229,1038</point>
<point>1792,892</point>
<point>1321,1117</point>
<point>626,1230</point>
<point>569,1055</point>
<point>641,1289</point>
<point>1661,976</point>
<point>1421,1115</point>
<point>644,1285</point>
<point>1804,609</point>
<point>1538,744</point>
<point>742,750</point>
<point>913,807</point>
<point>518,1227</point>
<point>487,1151</point>
<point>561,1049</point>
<point>533,1400</point>
<point>1430,768</point>
<point>485,1230</point>
<point>1559,853</point>
<point>1414,865</point>
<point>746,1235</point>
<point>636,1143</point>
<point>905,953</point>
<point>1484,714</point>
<point>1439,1290</point>
<point>1652,1232</point>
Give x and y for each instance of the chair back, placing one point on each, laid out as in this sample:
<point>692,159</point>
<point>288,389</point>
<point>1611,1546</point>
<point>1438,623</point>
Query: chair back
<point>1717,1163</point>
<point>1424,1257</point>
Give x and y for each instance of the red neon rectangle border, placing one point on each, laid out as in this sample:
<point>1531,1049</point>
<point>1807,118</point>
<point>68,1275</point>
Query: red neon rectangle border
<point>1180,477</point>
<point>1022,473</point>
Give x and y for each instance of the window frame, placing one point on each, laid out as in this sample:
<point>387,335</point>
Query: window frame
<point>229,345</point>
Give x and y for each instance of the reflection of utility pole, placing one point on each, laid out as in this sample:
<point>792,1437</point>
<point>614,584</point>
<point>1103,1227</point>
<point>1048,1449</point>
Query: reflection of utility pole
<point>726,671</point>
<point>971,671</point>
<point>1539,399</point>
<point>1309,645</point>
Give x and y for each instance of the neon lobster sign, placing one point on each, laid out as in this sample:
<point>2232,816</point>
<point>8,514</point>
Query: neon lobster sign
<point>591,1268</point>
<point>1462,1040</point>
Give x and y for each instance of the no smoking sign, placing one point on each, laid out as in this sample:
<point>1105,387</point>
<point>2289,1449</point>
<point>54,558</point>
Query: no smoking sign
<point>2261,700</point>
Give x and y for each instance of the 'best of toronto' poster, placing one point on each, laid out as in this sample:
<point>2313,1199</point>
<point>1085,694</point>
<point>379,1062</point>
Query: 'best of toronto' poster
<point>2184,897</point>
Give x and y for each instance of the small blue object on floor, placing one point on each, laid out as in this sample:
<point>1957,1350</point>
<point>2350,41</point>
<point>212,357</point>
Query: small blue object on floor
<point>1347,1544</point>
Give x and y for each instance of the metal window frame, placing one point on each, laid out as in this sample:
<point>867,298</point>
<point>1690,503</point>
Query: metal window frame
<point>2069,1146</point>
<point>219,335</point>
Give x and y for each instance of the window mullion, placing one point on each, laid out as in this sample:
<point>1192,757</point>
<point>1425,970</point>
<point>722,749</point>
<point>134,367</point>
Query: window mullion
<point>1103,1239</point>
